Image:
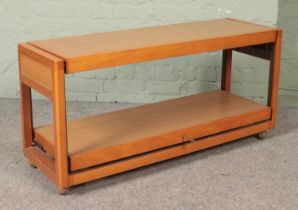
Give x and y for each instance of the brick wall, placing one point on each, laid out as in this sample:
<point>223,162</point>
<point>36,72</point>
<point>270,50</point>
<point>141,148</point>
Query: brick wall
<point>146,82</point>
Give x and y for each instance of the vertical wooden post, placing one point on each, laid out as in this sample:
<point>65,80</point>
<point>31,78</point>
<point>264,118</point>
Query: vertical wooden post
<point>226,70</point>
<point>26,110</point>
<point>274,77</point>
<point>60,127</point>
<point>26,114</point>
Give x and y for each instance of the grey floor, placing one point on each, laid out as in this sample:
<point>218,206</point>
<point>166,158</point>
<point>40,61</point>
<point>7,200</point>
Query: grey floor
<point>246,174</point>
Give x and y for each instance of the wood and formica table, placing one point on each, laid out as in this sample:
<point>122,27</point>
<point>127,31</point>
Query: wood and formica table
<point>81,150</point>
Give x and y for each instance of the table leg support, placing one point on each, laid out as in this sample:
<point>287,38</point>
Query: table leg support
<point>60,128</point>
<point>226,70</point>
<point>274,77</point>
<point>26,115</point>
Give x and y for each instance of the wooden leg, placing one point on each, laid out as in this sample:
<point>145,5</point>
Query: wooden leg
<point>26,114</point>
<point>274,77</point>
<point>226,70</point>
<point>60,129</point>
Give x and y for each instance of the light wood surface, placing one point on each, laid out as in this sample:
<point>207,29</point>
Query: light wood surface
<point>136,45</point>
<point>164,154</point>
<point>41,161</point>
<point>36,74</point>
<point>107,137</point>
<point>36,68</point>
<point>41,56</point>
<point>60,127</point>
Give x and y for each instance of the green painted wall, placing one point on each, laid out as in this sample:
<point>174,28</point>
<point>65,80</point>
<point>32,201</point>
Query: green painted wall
<point>146,82</point>
<point>288,21</point>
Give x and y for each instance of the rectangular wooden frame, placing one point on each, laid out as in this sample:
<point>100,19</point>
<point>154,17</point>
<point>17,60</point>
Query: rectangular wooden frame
<point>57,169</point>
<point>34,62</point>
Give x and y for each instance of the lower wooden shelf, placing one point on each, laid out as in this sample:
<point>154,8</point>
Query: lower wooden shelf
<point>120,134</point>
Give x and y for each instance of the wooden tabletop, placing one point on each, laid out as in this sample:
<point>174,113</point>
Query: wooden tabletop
<point>136,45</point>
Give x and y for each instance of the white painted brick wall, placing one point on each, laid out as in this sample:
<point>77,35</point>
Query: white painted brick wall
<point>146,82</point>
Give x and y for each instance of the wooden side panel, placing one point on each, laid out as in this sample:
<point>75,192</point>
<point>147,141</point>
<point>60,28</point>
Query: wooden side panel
<point>36,68</point>
<point>35,71</point>
<point>36,74</point>
<point>45,73</point>
<point>161,155</point>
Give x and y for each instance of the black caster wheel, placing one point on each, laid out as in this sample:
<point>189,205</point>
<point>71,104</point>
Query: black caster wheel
<point>32,166</point>
<point>262,135</point>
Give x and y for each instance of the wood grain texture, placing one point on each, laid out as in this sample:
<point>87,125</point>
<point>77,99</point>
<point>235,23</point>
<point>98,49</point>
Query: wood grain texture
<point>36,75</point>
<point>36,68</point>
<point>41,161</point>
<point>41,56</point>
<point>164,154</point>
<point>136,45</point>
<point>60,127</point>
<point>111,136</point>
